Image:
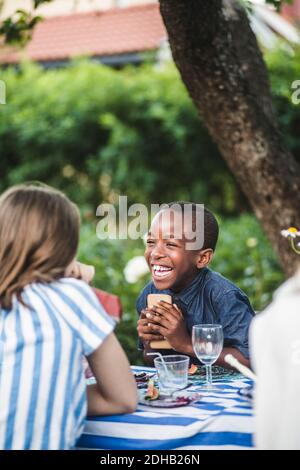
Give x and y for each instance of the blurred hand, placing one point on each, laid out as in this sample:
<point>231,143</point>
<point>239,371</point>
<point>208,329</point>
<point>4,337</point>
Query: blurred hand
<point>80,271</point>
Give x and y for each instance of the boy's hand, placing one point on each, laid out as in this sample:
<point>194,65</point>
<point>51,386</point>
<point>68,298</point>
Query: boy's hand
<point>81,271</point>
<point>144,328</point>
<point>168,320</point>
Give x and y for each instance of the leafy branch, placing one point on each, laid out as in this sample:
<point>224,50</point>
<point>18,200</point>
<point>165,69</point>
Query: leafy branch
<point>18,28</point>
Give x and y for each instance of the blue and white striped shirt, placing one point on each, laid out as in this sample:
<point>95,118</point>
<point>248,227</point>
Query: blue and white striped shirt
<point>42,385</point>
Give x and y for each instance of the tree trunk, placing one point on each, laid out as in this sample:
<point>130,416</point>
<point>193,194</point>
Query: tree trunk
<point>222,67</point>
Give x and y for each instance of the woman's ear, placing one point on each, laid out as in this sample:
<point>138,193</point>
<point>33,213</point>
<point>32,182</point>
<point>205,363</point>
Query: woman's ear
<point>204,258</point>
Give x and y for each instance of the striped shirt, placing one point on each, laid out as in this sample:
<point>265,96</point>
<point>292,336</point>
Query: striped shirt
<point>43,401</point>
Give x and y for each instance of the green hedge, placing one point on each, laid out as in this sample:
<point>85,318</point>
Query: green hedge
<point>284,66</point>
<point>97,132</point>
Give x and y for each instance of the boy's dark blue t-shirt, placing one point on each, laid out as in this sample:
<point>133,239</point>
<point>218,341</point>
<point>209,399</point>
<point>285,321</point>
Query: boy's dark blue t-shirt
<point>210,298</point>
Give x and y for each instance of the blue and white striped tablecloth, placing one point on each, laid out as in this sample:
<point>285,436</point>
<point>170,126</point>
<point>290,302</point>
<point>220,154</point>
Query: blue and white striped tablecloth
<point>220,420</point>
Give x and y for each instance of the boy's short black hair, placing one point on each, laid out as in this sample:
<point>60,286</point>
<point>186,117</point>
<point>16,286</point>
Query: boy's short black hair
<point>211,227</point>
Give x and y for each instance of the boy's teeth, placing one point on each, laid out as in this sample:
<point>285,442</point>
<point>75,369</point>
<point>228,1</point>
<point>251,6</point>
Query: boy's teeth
<point>161,270</point>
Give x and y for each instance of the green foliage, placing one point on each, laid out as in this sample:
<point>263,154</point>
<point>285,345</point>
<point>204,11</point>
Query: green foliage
<point>110,258</point>
<point>18,28</point>
<point>284,68</point>
<point>97,132</point>
<point>107,122</point>
<point>243,255</point>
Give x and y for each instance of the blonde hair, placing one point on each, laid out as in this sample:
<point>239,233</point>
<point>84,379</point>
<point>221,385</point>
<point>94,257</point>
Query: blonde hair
<point>39,234</point>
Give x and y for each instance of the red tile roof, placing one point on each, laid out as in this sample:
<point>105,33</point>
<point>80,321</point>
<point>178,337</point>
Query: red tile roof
<point>107,33</point>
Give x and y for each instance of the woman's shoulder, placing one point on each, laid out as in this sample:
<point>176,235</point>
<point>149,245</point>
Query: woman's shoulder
<point>61,284</point>
<point>76,289</point>
<point>72,282</point>
<point>67,289</point>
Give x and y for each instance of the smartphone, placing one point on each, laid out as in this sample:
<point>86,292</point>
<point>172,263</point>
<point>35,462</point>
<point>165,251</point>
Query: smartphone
<point>153,299</point>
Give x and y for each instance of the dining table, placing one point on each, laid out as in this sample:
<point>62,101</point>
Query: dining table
<point>218,419</point>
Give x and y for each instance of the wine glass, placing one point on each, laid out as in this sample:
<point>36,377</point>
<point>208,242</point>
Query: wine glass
<point>207,343</point>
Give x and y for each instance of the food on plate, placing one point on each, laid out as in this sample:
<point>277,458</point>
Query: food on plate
<point>152,391</point>
<point>193,369</point>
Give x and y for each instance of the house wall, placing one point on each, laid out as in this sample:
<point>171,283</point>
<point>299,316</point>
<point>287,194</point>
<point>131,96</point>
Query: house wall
<point>64,7</point>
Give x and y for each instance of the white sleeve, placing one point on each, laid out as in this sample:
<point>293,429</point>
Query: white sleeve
<point>94,323</point>
<point>275,351</point>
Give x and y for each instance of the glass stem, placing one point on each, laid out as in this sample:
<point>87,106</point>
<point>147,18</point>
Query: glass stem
<point>208,375</point>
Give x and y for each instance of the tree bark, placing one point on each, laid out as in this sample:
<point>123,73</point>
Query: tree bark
<point>222,67</point>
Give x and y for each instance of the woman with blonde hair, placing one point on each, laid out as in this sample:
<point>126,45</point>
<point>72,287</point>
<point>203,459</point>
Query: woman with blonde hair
<point>48,321</point>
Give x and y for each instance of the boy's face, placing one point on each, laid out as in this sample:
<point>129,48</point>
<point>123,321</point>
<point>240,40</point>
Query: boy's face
<point>172,266</point>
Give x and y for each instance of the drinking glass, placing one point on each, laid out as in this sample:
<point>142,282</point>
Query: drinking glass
<point>172,372</point>
<point>207,343</point>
